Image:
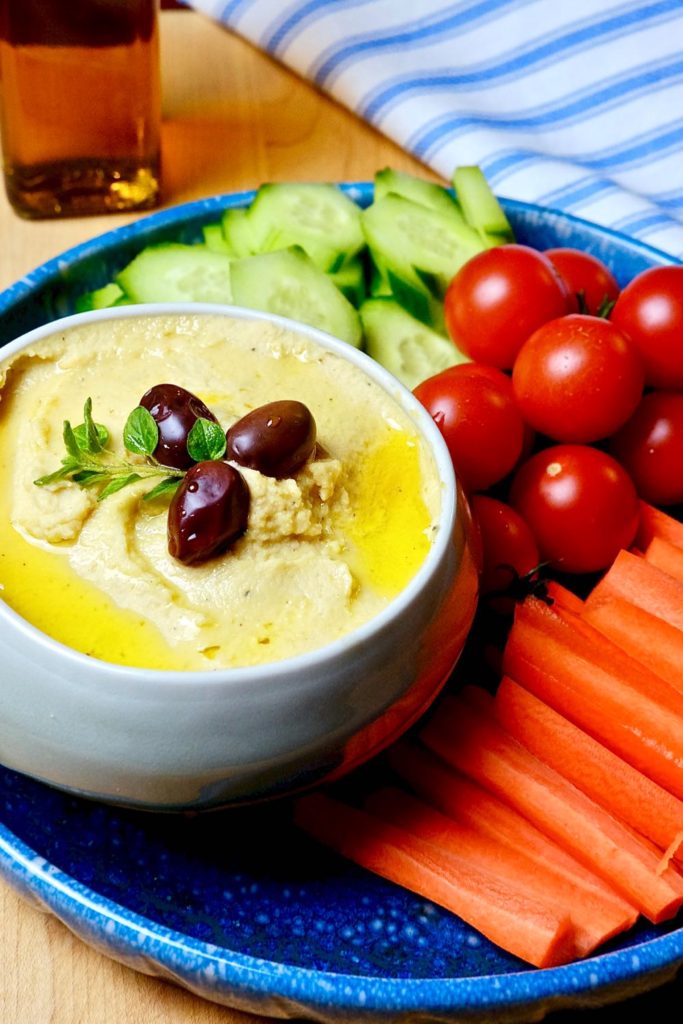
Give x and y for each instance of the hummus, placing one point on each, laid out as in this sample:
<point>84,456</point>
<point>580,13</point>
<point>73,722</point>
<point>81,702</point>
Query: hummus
<point>324,550</point>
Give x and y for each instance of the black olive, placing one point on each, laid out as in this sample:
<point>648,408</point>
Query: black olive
<point>208,512</point>
<point>175,411</point>
<point>276,439</point>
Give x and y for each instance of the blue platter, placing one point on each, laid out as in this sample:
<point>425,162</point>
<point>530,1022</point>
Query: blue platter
<point>236,905</point>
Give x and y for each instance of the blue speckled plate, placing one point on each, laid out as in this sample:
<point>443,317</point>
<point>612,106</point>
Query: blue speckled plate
<point>236,906</point>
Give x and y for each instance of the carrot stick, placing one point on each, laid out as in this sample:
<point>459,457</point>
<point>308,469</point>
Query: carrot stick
<point>652,641</point>
<point>615,785</point>
<point>511,864</point>
<point>665,556</point>
<point>474,744</point>
<point>526,927</point>
<point>636,580</point>
<point>466,801</point>
<point>601,689</point>
<point>655,523</point>
<point>563,598</point>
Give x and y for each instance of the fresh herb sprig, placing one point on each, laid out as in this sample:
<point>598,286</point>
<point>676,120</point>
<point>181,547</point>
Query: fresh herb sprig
<point>89,463</point>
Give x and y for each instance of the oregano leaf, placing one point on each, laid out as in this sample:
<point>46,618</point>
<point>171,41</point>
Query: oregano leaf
<point>80,433</point>
<point>92,438</point>
<point>117,484</point>
<point>164,487</point>
<point>70,442</point>
<point>206,441</point>
<point>141,433</point>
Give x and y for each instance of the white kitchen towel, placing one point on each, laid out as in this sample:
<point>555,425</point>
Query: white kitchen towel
<point>574,104</point>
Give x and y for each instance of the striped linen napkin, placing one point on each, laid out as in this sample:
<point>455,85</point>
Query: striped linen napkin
<point>575,105</point>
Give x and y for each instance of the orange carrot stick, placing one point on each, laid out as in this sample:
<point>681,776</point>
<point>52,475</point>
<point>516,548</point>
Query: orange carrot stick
<point>468,803</point>
<point>591,767</point>
<point>539,934</point>
<point>655,523</point>
<point>508,863</point>
<point>634,579</point>
<point>562,597</point>
<point>601,689</point>
<point>474,744</point>
<point>652,641</point>
<point>665,556</point>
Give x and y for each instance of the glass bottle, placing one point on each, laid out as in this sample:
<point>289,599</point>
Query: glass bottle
<point>79,105</point>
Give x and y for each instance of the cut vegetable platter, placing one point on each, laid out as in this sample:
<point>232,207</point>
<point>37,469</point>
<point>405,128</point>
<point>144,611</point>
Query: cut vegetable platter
<point>241,907</point>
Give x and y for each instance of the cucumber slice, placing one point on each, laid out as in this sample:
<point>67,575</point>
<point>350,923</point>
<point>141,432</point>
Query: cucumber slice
<point>215,240</point>
<point>237,232</point>
<point>289,284</point>
<point>102,298</point>
<point>318,217</point>
<point>426,193</point>
<point>413,239</point>
<point>409,289</point>
<point>172,272</point>
<point>403,345</point>
<point>350,280</point>
<point>480,206</point>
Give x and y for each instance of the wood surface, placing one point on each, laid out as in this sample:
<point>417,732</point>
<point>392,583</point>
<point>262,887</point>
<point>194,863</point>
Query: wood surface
<point>232,118</point>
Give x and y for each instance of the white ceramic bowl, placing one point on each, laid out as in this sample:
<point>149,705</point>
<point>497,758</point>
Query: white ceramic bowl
<point>169,740</point>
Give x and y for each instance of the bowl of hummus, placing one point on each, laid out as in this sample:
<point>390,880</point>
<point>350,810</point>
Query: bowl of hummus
<point>234,560</point>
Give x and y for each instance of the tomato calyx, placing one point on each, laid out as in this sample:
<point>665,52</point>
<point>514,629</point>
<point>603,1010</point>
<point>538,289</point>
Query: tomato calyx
<point>604,309</point>
<point>533,583</point>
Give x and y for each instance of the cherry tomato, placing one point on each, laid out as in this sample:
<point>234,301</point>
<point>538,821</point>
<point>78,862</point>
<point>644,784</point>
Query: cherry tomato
<point>586,277</point>
<point>507,542</point>
<point>650,311</point>
<point>650,447</point>
<point>504,381</point>
<point>577,378</point>
<point>479,421</point>
<point>498,298</point>
<point>580,504</point>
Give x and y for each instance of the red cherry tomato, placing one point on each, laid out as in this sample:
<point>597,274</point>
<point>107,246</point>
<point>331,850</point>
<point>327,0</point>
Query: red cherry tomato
<point>586,277</point>
<point>507,542</point>
<point>577,378</point>
<point>650,447</point>
<point>580,504</point>
<point>650,311</point>
<point>479,422</point>
<point>498,298</point>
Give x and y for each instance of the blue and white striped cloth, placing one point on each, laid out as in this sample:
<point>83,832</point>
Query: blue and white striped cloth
<point>574,104</point>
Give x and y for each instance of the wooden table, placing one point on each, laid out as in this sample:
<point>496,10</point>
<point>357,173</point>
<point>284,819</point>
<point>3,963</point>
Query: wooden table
<point>232,119</point>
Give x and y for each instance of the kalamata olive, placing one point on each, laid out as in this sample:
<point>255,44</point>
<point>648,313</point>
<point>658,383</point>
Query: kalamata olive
<point>208,512</point>
<point>276,439</point>
<point>175,411</point>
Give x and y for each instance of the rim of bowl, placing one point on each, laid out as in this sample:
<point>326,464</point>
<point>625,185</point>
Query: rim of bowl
<point>344,645</point>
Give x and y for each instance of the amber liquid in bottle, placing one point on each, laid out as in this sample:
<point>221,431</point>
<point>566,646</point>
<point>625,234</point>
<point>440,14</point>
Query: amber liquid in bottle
<point>80,105</point>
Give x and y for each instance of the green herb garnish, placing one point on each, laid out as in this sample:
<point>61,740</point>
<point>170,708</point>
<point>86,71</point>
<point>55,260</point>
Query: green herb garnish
<point>206,440</point>
<point>88,463</point>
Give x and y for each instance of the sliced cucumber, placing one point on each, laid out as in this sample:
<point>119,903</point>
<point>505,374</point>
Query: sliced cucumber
<point>288,283</point>
<point>172,272</point>
<point>215,240</point>
<point>426,193</point>
<point>480,206</point>
<point>102,298</point>
<point>350,280</point>
<point>403,345</point>
<point>318,217</point>
<point>415,240</point>
<point>237,231</point>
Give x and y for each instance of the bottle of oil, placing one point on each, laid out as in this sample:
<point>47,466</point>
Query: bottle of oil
<point>79,105</point>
